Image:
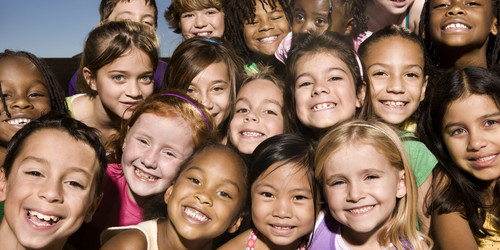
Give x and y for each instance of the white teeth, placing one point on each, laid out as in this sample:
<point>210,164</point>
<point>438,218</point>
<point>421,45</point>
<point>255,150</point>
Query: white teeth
<point>268,39</point>
<point>282,228</point>
<point>455,26</point>
<point>486,158</point>
<point>204,33</point>
<point>360,210</point>
<point>144,175</point>
<point>394,103</point>
<point>323,106</point>
<point>19,121</point>
<point>47,218</point>
<point>252,134</point>
<point>195,214</point>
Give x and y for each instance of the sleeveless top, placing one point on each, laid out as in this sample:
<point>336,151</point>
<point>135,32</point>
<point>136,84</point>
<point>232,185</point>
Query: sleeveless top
<point>253,239</point>
<point>491,242</point>
<point>149,228</point>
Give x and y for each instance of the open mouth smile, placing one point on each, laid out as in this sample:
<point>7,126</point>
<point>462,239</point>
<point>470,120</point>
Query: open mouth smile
<point>42,220</point>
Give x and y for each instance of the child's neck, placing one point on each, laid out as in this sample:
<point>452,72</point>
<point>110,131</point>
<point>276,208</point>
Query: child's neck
<point>104,120</point>
<point>263,243</point>
<point>168,238</point>
<point>357,240</point>
<point>460,57</point>
<point>380,17</point>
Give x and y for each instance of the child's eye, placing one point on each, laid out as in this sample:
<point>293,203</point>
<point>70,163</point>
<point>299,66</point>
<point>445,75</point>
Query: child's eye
<point>147,79</point>
<point>299,18</point>
<point>212,11</point>
<point>242,110</point>
<point>34,173</point>
<point>304,84</point>
<point>473,4</point>
<point>75,184</point>
<point>274,18</point>
<point>148,23</point>
<point>218,89</point>
<point>458,131</point>
<point>251,22</point>
<point>194,180</point>
<point>224,194</point>
<point>266,194</point>
<point>321,22</point>
<point>490,123</point>
<point>379,74</point>
<point>270,112</point>
<point>442,5</point>
<point>335,78</point>
<point>36,95</point>
<point>187,15</point>
<point>118,78</point>
<point>337,182</point>
<point>169,153</point>
<point>299,197</point>
<point>372,177</point>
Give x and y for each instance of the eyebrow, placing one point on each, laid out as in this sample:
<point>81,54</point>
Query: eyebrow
<point>244,99</point>
<point>130,12</point>
<point>387,65</point>
<point>46,163</point>
<point>479,118</point>
<point>327,70</point>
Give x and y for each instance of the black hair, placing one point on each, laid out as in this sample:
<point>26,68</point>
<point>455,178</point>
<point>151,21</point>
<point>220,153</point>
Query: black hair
<point>454,190</point>
<point>76,129</point>
<point>56,93</point>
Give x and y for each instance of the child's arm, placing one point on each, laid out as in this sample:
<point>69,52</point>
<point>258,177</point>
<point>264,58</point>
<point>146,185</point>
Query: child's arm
<point>451,231</point>
<point>129,239</point>
<point>414,16</point>
<point>424,219</point>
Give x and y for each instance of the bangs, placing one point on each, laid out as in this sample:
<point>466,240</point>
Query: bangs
<point>189,5</point>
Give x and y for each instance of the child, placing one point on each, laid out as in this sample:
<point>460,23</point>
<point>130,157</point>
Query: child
<point>116,73</point>
<point>28,90</point>
<point>395,83</point>
<point>461,128</point>
<point>205,200</point>
<point>141,11</point>
<point>369,189</point>
<point>458,34</point>
<point>283,193</point>
<point>256,28</point>
<point>324,77</point>
<point>259,111</point>
<point>50,182</point>
<point>381,13</point>
<point>209,71</point>
<point>161,133</point>
<point>196,18</point>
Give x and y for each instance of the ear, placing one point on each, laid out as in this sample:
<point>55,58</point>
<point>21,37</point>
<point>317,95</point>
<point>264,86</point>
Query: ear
<point>93,207</point>
<point>89,78</point>
<point>401,189</point>
<point>361,95</point>
<point>3,185</point>
<point>494,27</point>
<point>236,223</point>
<point>424,88</point>
<point>168,193</point>
<point>348,26</point>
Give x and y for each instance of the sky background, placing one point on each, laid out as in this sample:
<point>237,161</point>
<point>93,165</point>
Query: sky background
<point>58,28</point>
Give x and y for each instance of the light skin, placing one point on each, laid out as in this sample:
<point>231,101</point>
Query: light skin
<point>154,149</point>
<point>207,22</point>
<point>120,85</point>
<point>134,10</point>
<point>361,196</point>
<point>212,88</point>
<point>460,30</point>
<point>264,34</point>
<point>381,13</point>
<point>26,96</point>
<point>40,184</point>
<point>395,70</point>
<point>257,115</point>
<point>325,93</point>
<point>310,16</point>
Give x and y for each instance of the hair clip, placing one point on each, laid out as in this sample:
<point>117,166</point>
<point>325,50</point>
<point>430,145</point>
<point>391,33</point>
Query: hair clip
<point>199,109</point>
<point>210,40</point>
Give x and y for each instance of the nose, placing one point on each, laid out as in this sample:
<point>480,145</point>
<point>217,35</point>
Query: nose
<point>251,116</point>
<point>20,102</point>
<point>265,24</point>
<point>51,191</point>
<point>307,28</point>
<point>320,88</point>
<point>200,21</point>
<point>282,209</point>
<point>206,101</point>
<point>203,198</point>
<point>476,141</point>
<point>133,90</point>
<point>396,85</point>
<point>355,192</point>
<point>150,159</point>
<point>455,8</point>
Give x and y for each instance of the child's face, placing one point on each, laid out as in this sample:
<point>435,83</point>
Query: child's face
<point>394,7</point>
<point>123,83</point>
<point>134,10</point>
<point>212,88</point>
<point>50,191</point>
<point>25,94</point>
<point>361,196</point>
<point>310,16</point>
<point>325,93</point>
<point>206,198</point>
<point>395,70</point>
<point>471,133</point>
<point>283,204</point>
<point>459,23</point>
<point>205,22</point>
<point>270,27</point>
<point>153,151</point>
<point>257,115</point>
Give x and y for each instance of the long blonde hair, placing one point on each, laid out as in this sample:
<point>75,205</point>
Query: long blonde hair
<point>402,225</point>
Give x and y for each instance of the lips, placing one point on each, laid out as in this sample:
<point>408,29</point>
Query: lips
<point>195,214</point>
<point>361,210</point>
<point>394,103</point>
<point>143,176</point>
<point>323,106</point>
<point>204,33</point>
<point>19,121</point>
<point>484,160</point>
<point>268,39</point>
<point>42,220</point>
<point>456,26</point>
<point>251,134</point>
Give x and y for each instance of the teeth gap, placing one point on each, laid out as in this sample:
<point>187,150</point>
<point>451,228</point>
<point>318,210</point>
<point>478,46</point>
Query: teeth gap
<point>144,175</point>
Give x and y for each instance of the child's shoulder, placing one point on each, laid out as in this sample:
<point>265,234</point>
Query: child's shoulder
<point>238,242</point>
<point>141,236</point>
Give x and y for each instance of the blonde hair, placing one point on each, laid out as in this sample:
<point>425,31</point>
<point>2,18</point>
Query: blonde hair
<point>402,225</point>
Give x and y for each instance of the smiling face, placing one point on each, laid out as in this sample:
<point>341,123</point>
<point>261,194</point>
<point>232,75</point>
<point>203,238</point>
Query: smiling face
<point>257,115</point>
<point>310,16</point>
<point>471,133</point>
<point>26,96</point>
<point>134,10</point>
<point>325,93</point>
<point>283,204</point>
<point>205,22</point>
<point>395,70</point>
<point>394,7</point>
<point>212,88</point>
<point>264,35</point>
<point>460,23</point>
<point>47,198</point>
<point>361,196</point>
<point>207,197</point>
<point>153,151</point>
<point>124,82</point>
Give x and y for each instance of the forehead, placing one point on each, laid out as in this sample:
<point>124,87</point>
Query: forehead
<point>133,6</point>
<point>260,87</point>
<point>313,5</point>
<point>280,174</point>
<point>393,48</point>
<point>17,70</point>
<point>222,161</point>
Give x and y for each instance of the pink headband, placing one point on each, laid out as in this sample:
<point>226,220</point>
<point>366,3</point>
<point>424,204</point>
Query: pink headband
<point>199,109</point>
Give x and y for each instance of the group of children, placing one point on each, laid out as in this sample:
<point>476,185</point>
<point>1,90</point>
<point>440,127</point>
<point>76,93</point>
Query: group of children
<point>277,124</point>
